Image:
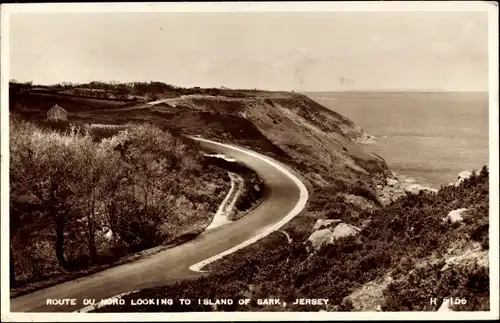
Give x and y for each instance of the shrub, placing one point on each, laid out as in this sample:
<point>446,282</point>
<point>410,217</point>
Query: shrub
<point>68,188</point>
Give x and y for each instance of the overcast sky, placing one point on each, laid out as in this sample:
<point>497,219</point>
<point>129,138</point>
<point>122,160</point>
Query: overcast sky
<point>303,51</point>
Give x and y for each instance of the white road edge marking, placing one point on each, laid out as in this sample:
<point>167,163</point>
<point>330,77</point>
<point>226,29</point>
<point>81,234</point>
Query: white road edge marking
<point>240,182</point>
<point>220,216</point>
<point>103,303</point>
<point>222,156</point>
<point>301,203</point>
<point>287,236</point>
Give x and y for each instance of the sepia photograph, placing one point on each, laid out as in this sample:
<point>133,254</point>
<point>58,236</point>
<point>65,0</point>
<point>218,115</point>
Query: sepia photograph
<point>236,161</point>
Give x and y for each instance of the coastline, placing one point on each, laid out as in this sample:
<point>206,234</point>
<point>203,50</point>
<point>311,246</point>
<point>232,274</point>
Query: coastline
<point>390,188</point>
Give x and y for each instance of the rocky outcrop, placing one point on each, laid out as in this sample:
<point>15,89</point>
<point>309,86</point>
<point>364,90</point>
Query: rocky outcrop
<point>392,188</point>
<point>416,188</point>
<point>392,182</point>
<point>321,223</point>
<point>359,202</point>
<point>362,137</point>
<point>469,258</point>
<point>455,215</point>
<point>344,230</point>
<point>462,176</point>
<point>326,236</point>
<point>370,296</point>
<point>320,237</point>
<point>365,139</point>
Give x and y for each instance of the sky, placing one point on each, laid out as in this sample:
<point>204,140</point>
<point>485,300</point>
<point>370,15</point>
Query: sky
<point>301,51</point>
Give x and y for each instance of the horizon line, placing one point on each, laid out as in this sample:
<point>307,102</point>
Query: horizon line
<point>260,89</point>
<point>396,90</point>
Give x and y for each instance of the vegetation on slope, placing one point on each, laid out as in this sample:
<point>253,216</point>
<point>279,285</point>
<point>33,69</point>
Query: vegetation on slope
<point>314,141</point>
<point>289,127</point>
<point>397,240</point>
<point>81,197</point>
<point>253,189</point>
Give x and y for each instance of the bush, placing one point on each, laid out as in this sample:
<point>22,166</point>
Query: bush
<point>414,293</point>
<point>71,185</point>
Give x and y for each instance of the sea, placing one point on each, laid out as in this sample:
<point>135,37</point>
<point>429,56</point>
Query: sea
<point>425,137</point>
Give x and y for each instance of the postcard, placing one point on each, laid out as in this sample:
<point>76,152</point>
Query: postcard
<point>249,161</point>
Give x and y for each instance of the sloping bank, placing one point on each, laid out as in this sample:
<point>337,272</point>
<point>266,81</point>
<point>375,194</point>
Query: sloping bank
<point>299,206</point>
<point>249,187</point>
<point>408,250</point>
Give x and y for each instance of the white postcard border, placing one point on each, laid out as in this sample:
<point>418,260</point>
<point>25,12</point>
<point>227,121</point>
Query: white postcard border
<point>490,6</point>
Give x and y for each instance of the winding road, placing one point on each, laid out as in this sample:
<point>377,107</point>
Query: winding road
<point>285,197</point>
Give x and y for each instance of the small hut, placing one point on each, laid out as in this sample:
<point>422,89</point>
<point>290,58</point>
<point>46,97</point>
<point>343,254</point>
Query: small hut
<point>57,113</point>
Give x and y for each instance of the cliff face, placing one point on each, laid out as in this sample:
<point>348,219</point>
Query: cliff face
<point>320,142</point>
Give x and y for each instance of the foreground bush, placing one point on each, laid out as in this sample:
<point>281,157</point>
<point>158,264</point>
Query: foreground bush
<point>77,200</point>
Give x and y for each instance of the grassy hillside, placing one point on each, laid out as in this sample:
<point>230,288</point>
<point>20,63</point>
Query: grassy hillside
<point>404,255</point>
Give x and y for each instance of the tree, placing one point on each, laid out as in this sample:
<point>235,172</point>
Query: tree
<point>484,171</point>
<point>46,162</point>
<point>88,165</point>
<point>21,180</point>
<point>112,184</point>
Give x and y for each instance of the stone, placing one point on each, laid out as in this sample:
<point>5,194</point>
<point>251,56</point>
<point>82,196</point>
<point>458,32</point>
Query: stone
<point>359,201</point>
<point>370,296</point>
<point>416,188</point>
<point>318,238</point>
<point>326,236</point>
<point>455,215</point>
<point>468,259</point>
<point>464,174</point>
<point>344,230</point>
<point>323,223</point>
<point>108,235</point>
<point>392,182</point>
<point>445,307</point>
